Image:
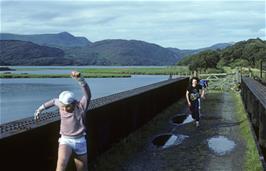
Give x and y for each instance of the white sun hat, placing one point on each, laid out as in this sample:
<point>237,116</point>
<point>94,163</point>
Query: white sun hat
<point>66,97</point>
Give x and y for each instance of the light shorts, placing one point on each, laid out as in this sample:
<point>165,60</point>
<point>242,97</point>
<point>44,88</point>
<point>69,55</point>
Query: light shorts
<point>78,145</point>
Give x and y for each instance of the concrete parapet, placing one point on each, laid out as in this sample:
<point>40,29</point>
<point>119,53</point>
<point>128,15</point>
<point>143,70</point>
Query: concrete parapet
<point>254,97</point>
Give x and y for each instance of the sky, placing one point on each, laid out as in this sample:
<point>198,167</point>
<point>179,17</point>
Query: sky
<point>173,23</point>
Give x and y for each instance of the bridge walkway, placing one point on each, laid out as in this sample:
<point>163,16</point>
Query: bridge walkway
<point>218,144</point>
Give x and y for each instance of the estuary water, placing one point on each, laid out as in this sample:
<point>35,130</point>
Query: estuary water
<point>19,98</point>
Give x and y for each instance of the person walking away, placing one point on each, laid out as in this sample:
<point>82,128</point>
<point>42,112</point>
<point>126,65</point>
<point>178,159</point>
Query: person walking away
<point>193,93</point>
<point>72,127</point>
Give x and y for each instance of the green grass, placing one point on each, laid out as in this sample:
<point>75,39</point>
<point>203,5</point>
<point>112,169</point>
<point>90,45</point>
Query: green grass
<point>120,72</point>
<point>39,69</point>
<point>102,72</point>
<point>139,71</point>
<point>86,75</point>
<point>252,162</point>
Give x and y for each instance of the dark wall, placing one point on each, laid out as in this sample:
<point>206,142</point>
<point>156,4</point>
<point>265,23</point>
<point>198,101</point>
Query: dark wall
<point>253,94</point>
<point>34,145</point>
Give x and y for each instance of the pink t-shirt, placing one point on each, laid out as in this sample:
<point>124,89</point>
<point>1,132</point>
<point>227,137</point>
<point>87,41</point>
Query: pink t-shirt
<point>72,124</point>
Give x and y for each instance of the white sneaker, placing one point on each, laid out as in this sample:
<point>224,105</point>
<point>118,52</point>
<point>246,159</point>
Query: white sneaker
<point>197,123</point>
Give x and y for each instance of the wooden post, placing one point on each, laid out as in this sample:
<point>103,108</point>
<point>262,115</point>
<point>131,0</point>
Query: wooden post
<point>237,76</point>
<point>261,69</point>
<point>195,74</point>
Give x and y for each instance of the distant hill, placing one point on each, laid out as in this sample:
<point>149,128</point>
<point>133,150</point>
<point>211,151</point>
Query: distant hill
<point>60,40</point>
<point>15,52</point>
<point>80,51</point>
<point>106,52</point>
<point>218,46</point>
<point>182,53</point>
<point>244,53</point>
<point>188,52</point>
<point>123,52</point>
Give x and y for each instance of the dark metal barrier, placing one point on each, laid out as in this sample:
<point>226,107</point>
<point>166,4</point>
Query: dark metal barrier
<point>27,145</point>
<point>254,97</point>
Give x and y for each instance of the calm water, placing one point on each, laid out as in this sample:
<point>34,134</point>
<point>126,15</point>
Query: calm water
<point>19,98</point>
<point>221,145</point>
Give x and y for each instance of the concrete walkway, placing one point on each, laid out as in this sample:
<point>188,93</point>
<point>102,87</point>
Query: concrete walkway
<point>219,129</point>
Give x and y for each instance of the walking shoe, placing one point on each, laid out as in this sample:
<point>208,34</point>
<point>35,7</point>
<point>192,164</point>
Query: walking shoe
<point>197,123</point>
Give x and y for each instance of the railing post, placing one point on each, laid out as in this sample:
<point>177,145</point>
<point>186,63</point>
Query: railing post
<point>261,69</point>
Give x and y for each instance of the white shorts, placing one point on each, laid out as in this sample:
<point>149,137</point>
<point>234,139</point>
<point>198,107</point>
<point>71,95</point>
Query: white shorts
<point>78,145</point>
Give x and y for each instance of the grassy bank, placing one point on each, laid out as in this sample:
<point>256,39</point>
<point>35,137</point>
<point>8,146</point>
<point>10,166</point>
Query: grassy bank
<point>139,71</point>
<point>86,75</point>
<point>101,72</point>
<point>252,162</point>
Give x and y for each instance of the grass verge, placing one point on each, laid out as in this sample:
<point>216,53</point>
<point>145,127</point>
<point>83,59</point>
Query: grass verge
<point>141,71</point>
<point>252,162</point>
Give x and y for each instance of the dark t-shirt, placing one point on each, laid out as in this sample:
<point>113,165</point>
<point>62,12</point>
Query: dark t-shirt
<point>194,92</point>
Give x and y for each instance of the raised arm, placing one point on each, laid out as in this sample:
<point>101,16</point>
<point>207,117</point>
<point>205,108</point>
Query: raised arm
<point>85,100</point>
<point>203,93</point>
<point>187,97</point>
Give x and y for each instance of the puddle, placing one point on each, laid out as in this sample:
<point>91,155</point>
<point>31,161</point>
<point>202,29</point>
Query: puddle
<point>167,140</point>
<point>182,119</point>
<point>221,145</point>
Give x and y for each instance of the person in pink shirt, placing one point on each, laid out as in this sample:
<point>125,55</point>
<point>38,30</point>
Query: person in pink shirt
<point>72,126</point>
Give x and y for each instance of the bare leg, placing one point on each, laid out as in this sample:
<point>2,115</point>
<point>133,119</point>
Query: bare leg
<point>81,162</point>
<point>64,153</point>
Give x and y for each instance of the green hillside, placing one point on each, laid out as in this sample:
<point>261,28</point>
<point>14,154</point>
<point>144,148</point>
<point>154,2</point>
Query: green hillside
<point>244,53</point>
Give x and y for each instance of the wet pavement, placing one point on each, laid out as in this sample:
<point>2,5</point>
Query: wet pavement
<point>170,142</point>
<point>181,119</point>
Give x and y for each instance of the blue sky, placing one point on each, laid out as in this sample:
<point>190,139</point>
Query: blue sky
<point>175,23</point>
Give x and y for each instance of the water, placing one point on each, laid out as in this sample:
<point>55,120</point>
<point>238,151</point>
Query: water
<point>21,97</point>
<point>221,145</point>
<point>182,119</point>
<point>168,140</point>
<point>174,140</point>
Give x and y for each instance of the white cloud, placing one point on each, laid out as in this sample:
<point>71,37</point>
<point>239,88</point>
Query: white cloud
<point>262,33</point>
<point>182,24</point>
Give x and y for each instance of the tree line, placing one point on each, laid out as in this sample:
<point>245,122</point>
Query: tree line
<point>242,54</point>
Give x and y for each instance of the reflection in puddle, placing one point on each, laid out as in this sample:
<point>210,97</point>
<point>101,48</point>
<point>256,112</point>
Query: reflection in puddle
<point>182,119</point>
<point>221,145</point>
<point>168,140</point>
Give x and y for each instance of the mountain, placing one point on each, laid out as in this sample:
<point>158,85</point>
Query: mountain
<point>60,40</point>
<point>80,51</point>
<point>216,46</point>
<point>182,53</point>
<point>188,52</point>
<point>15,52</point>
<point>106,52</point>
<point>244,53</point>
<point>123,52</point>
